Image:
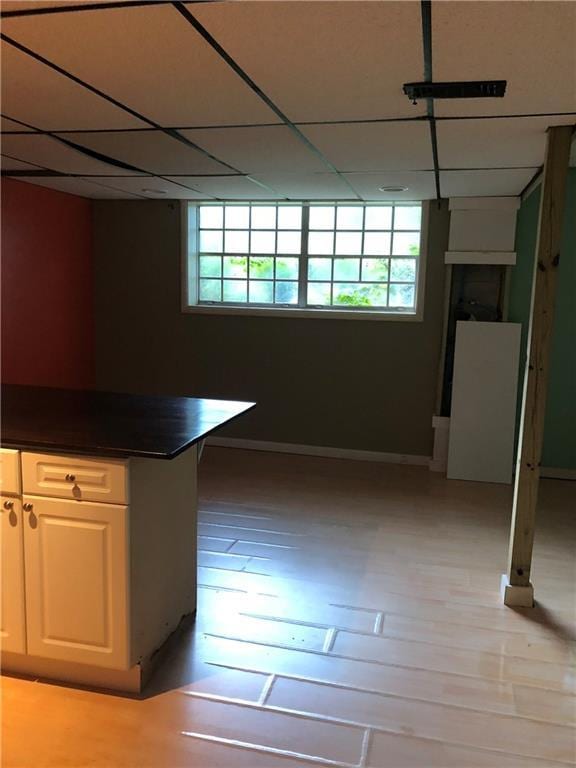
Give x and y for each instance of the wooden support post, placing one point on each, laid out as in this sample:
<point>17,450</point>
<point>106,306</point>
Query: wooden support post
<point>516,587</point>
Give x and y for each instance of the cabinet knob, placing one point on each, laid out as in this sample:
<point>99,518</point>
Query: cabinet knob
<point>28,507</point>
<point>8,505</point>
<point>71,478</point>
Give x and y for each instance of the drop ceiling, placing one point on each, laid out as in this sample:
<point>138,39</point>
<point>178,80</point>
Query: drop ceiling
<point>279,100</point>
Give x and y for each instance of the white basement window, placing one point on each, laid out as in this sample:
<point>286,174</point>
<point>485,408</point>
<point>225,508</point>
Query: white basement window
<point>305,258</point>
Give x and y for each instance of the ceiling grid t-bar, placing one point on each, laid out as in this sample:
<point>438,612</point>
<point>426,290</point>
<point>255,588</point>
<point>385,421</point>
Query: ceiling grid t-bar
<point>203,32</point>
<point>94,156</point>
<point>170,132</point>
<point>426,10</point>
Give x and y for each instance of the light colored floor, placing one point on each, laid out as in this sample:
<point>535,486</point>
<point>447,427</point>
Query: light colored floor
<point>349,615</point>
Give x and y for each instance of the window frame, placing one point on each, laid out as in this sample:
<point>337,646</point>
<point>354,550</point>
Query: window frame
<point>190,277</point>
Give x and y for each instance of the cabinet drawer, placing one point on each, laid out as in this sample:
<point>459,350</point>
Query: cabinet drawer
<point>70,477</point>
<point>9,471</point>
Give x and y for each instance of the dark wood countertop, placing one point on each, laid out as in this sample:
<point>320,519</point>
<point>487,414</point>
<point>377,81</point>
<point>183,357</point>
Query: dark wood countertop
<point>109,424</point>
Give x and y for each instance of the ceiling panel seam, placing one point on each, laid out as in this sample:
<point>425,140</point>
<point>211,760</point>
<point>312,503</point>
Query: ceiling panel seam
<point>48,174</point>
<point>111,161</point>
<point>360,121</point>
<point>169,132</point>
<point>105,6</point>
<point>426,12</point>
<point>203,32</point>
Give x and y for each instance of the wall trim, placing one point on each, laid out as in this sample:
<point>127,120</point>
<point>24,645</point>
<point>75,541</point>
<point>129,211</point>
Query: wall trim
<point>558,473</point>
<point>354,454</point>
<point>318,450</point>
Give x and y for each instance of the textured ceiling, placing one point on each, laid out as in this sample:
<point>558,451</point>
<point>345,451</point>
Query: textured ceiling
<point>275,100</point>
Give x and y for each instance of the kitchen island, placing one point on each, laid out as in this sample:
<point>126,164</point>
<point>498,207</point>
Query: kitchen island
<point>99,519</point>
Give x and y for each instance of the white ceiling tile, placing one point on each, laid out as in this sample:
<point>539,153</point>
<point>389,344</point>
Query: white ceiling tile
<point>420,185</point>
<point>52,154</point>
<point>532,45</point>
<point>484,183</point>
<point>324,60</point>
<point>34,93</point>
<point>10,163</point>
<point>151,187</point>
<point>374,146</point>
<point>229,188</point>
<point>82,187</point>
<point>258,149</point>
<point>494,143</point>
<point>308,186</point>
<point>149,58</point>
<point>152,151</point>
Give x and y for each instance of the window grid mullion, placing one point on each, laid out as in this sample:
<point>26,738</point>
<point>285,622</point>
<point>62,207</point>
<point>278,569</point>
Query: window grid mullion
<point>304,255</point>
<point>362,243</point>
<point>303,260</point>
<point>333,256</point>
<point>249,252</point>
<point>275,262</point>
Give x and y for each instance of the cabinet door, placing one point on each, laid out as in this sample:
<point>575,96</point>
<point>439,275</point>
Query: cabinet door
<point>76,581</point>
<point>13,629</point>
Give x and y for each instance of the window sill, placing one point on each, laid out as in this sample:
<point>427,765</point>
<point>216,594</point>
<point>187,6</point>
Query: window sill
<point>299,312</point>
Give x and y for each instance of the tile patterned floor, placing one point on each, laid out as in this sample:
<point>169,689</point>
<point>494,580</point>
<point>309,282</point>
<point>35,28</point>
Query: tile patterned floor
<point>349,615</point>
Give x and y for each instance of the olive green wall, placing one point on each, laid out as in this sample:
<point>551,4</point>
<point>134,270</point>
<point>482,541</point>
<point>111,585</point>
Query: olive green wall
<point>359,384</point>
<point>559,450</point>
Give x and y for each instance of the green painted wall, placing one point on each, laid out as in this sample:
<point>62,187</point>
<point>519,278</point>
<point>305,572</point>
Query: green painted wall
<point>560,428</point>
<point>359,384</point>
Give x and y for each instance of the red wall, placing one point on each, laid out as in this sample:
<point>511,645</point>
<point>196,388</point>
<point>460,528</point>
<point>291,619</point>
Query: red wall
<point>47,284</point>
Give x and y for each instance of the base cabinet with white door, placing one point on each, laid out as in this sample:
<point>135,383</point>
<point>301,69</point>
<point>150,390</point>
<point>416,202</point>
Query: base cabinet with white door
<point>70,581</point>
<point>13,621</point>
<point>98,562</point>
<point>75,561</point>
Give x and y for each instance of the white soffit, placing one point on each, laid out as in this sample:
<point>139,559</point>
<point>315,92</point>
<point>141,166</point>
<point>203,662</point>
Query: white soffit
<point>484,203</point>
<point>150,59</point>
<point>532,45</point>
<point>152,151</point>
<point>308,186</point>
<point>420,185</point>
<point>258,149</point>
<point>81,187</point>
<point>52,154</point>
<point>229,188</point>
<point>324,60</point>
<point>495,143</point>
<point>484,183</point>
<point>371,146</point>
<point>34,93</point>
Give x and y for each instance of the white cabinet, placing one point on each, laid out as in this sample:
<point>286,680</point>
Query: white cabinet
<point>98,563</point>
<point>76,581</point>
<point>13,621</point>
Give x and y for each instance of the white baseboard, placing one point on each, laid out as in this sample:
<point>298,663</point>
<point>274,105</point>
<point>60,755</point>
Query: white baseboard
<point>556,473</point>
<point>318,450</point>
<point>356,455</point>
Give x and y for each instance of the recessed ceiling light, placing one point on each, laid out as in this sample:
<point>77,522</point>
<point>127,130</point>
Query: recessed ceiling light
<point>154,191</point>
<point>392,189</point>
